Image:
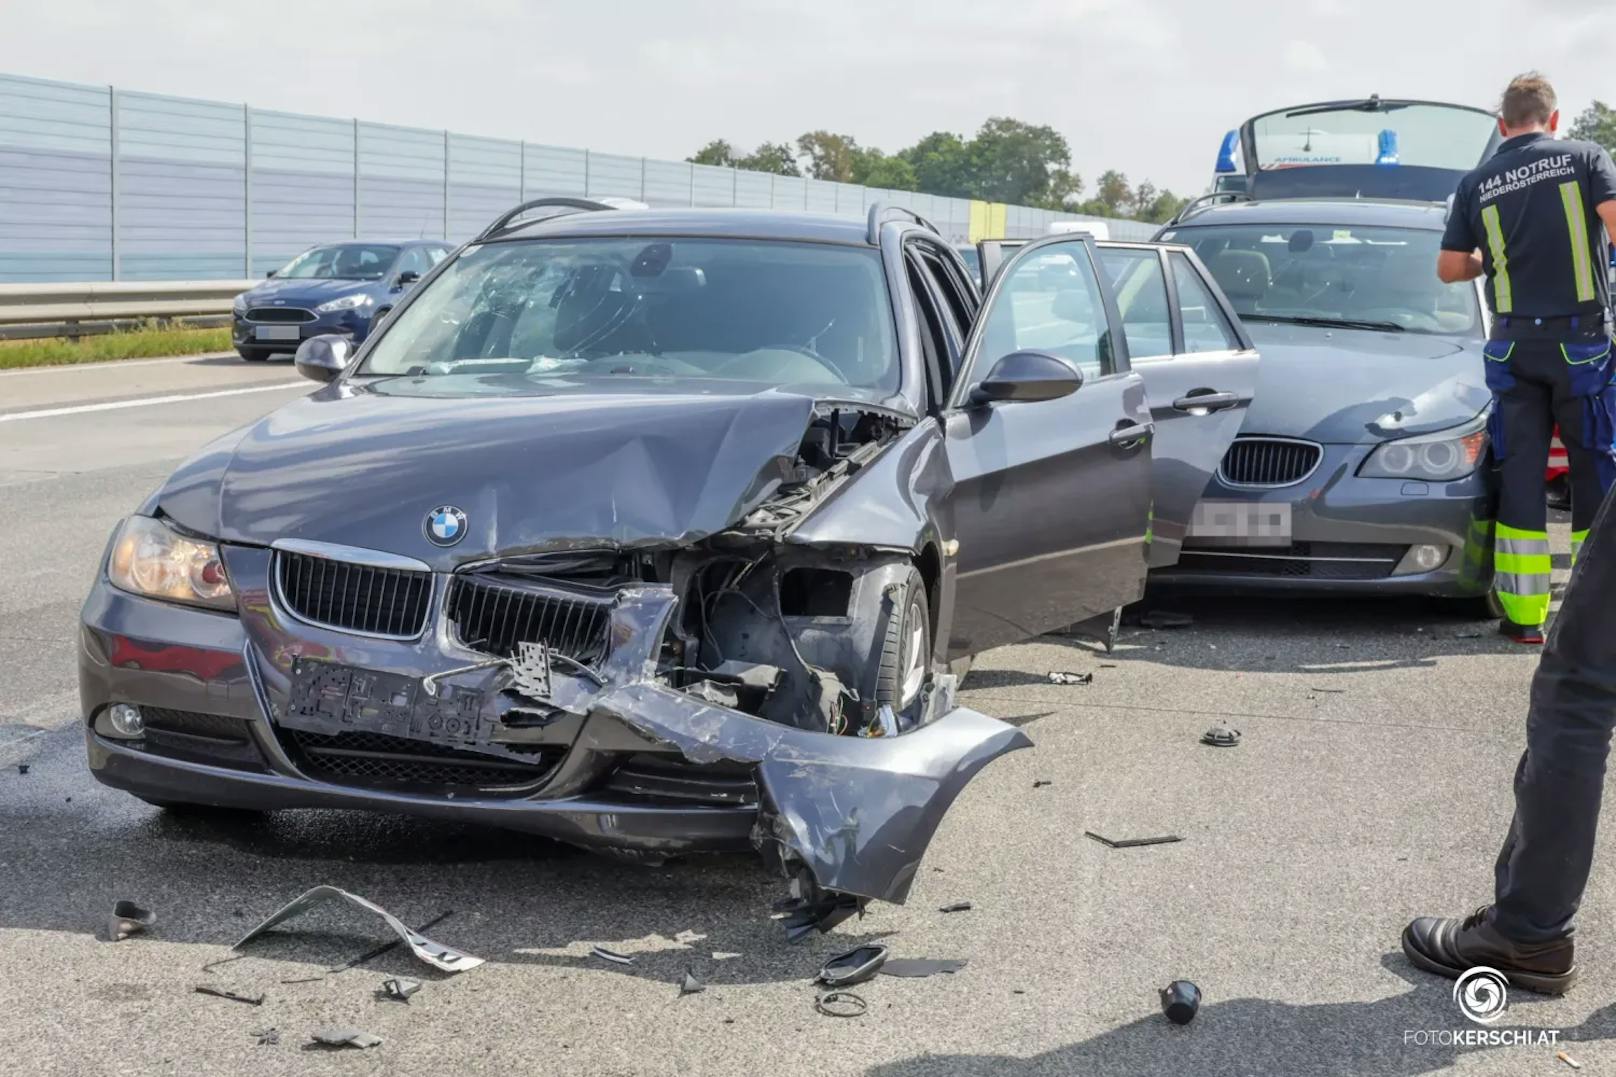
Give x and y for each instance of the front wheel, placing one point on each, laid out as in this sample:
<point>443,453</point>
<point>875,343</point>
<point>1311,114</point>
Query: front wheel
<point>253,355</point>
<point>906,648</point>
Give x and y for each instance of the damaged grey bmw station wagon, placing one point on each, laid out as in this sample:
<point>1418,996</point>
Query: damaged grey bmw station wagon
<point>660,531</point>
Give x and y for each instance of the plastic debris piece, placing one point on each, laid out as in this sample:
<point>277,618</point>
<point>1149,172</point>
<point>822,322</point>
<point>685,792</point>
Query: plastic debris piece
<point>266,1037</point>
<point>690,985</point>
<point>400,988</point>
<point>853,967</point>
<point>1039,783</point>
<point>724,955</point>
<point>345,1036</point>
<point>1166,619</point>
<point>958,906</point>
<point>22,768</point>
<point>841,1004</point>
<point>917,967</point>
<point>1180,1000</point>
<point>436,954</point>
<point>611,955</point>
<point>1327,691</point>
<point>225,992</point>
<point>1063,677</point>
<point>1568,1060</point>
<point>1221,736</point>
<point>1474,633</point>
<point>377,951</point>
<point>128,919</point>
<point>1129,843</point>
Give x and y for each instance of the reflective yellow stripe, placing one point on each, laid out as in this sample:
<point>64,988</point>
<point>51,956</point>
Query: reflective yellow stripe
<point>1530,610</point>
<point>1577,223</point>
<point>1577,539</point>
<point>1527,564</point>
<point>1503,295</point>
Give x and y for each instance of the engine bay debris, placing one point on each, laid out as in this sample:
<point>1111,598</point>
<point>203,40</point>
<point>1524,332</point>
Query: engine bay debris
<point>436,954</point>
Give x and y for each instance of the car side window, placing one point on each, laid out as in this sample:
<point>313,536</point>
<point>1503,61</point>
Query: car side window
<point>1050,302</point>
<point>437,254</point>
<point>1141,291</point>
<point>414,260</point>
<point>1206,329</point>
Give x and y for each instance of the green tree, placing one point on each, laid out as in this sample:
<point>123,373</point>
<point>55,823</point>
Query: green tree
<point>776,157</point>
<point>873,168</point>
<point>942,165</point>
<point>716,152</point>
<point>1017,162</point>
<point>830,156</point>
<point>1596,123</point>
<point>1163,208</point>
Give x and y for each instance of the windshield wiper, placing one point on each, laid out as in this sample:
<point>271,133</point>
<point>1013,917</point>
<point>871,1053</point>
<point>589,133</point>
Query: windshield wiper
<point>1330,323</point>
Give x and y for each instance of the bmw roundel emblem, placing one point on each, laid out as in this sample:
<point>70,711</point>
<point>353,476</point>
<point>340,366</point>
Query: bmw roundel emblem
<point>445,526</point>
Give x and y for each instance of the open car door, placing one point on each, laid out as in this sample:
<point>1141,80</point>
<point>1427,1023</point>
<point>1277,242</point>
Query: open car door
<point>1199,369</point>
<point>1051,493</point>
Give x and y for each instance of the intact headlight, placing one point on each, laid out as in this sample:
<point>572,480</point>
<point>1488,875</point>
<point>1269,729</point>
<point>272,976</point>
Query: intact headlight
<point>151,559</point>
<point>347,302</point>
<point>239,305</point>
<point>1440,457</point>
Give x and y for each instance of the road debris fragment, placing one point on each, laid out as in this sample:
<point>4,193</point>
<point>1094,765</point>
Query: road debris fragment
<point>22,768</point>
<point>211,965</point>
<point>958,906</point>
<point>266,1037</point>
<point>690,985</point>
<point>841,1004</point>
<point>225,992</point>
<point>399,988</point>
<point>1165,619</point>
<point>611,955</point>
<point>1568,1060</point>
<point>1221,736</point>
<point>1327,691</point>
<point>1180,1000</point>
<point>436,954</point>
<point>128,919</point>
<point>724,955</point>
<point>1039,783</point>
<point>1063,677</point>
<point>853,967</point>
<point>1469,633</point>
<point>918,967</point>
<point>345,1036</point>
<point>1129,843</point>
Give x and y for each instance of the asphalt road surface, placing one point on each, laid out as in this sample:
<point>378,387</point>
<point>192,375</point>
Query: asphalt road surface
<point>1372,785</point>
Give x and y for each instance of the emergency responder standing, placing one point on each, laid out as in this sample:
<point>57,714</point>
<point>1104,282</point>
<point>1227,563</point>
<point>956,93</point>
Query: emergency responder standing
<point>1539,211</point>
<point>1537,207</point>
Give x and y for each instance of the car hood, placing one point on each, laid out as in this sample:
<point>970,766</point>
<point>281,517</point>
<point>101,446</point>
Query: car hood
<point>1352,386</point>
<point>302,292</point>
<point>364,465</point>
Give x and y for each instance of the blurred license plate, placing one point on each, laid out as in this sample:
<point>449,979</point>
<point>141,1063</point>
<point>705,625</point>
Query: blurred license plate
<point>276,332</point>
<point>1242,523</point>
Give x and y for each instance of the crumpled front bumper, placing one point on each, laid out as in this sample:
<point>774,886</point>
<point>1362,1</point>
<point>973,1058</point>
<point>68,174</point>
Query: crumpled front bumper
<point>849,815</point>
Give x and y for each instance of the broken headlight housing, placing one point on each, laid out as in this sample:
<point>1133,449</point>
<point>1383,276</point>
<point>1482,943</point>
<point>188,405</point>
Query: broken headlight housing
<point>1439,457</point>
<point>149,558</point>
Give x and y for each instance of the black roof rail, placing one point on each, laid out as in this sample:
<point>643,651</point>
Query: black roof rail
<point>575,205</point>
<point>881,212</point>
<point>1196,205</point>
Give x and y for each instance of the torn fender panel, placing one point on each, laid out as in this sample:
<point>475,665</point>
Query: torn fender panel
<point>898,502</point>
<point>858,813</point>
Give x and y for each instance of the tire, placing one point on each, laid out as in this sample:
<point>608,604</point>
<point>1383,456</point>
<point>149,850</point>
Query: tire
<point>253,355</point>
<point>905,655</point>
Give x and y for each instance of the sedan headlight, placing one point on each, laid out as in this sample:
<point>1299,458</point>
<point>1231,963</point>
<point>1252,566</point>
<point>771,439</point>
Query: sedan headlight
<point>1440,457</point>
<point>151,559</point>
<point>239,306</point>
<point>347,302</point>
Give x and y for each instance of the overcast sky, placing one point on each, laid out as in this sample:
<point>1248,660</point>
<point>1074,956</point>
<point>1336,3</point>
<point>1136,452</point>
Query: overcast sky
<point>1145,86</point>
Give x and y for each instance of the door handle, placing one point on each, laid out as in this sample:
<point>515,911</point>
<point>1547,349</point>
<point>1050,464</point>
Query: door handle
<point>1129,434</point>
<point>1206,401</point>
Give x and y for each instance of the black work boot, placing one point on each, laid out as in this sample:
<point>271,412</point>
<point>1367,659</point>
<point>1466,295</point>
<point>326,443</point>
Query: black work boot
<point>1448,946</point>
<point>1531,635</point>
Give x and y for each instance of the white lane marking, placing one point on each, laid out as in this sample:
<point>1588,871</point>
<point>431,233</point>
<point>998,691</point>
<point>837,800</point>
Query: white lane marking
<point>62,368</point>
<point>141,402</point>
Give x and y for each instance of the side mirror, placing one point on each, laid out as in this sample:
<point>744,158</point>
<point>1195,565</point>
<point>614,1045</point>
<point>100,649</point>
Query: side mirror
<point>1026,376</point>
<point>408,277</point>
<point>271,273</point>
<point>322,358</point>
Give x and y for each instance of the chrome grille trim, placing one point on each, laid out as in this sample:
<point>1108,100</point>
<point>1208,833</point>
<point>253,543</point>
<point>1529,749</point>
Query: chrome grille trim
<point>350,596</point>
<point>1267,463</point>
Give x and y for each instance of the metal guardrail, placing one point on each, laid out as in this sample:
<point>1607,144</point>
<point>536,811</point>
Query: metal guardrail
<point>103,301</point>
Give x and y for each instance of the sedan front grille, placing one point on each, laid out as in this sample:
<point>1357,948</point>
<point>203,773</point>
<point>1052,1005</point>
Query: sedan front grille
<point>390,602</point>
<point>1266,461</point>
<point>495,615</point>
<point>280,315</point>
<point>380,761</point>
